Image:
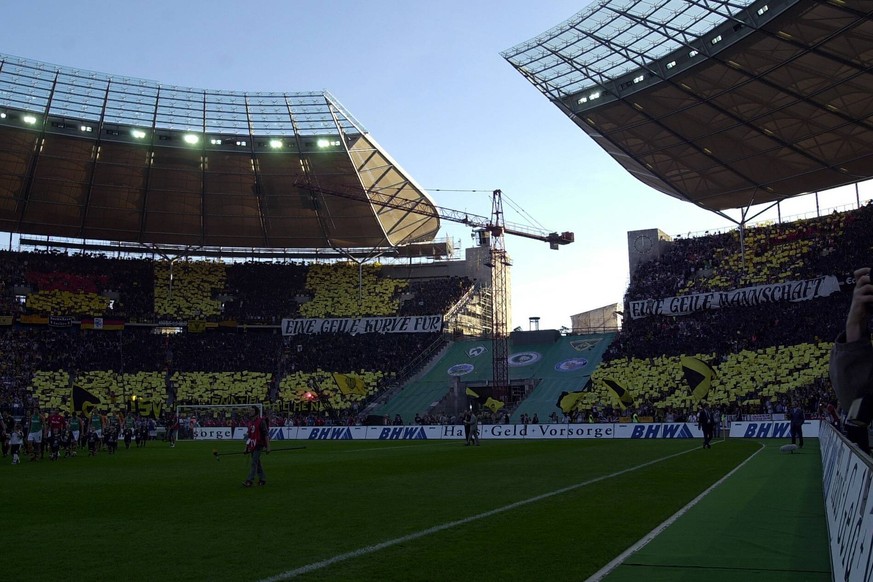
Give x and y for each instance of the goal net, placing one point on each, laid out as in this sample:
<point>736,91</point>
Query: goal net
<point>214,421</point>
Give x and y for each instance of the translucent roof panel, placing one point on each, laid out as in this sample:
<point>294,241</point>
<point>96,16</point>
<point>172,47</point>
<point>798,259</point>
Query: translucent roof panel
<point>97,157</point>
<point>610,38</point>
<point>44,88</point>
<point>724,104</point>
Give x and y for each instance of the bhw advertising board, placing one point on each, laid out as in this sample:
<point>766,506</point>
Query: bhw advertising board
<point>776,429</point>
<point>668,430</point>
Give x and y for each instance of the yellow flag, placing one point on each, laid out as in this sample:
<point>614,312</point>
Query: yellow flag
<point>624,397</point>
<point>350,384</point>
<point>699,376</point>
<point>493,405</point>
<point>567,401</point>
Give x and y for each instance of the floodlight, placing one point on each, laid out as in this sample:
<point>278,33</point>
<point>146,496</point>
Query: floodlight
<point>275,143</point>
<point>190,138</point>
<point>86,128</point>
<point>138,133</point>
<point>323,143</point>
<point>2,115</point>
<point>29,119</point>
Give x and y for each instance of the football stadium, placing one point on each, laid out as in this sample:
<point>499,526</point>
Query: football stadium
<point>236,347</point>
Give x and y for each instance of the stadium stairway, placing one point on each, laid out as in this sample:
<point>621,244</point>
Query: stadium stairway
<point>565,366</point>
<point>406,403</point>
<point>552,364</point>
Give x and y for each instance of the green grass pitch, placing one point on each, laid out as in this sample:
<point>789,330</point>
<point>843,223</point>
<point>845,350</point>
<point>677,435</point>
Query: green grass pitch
<point>507,510</point>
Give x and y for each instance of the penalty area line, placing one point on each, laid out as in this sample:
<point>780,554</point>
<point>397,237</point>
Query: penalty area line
<point>643,541</point>
<point>452,524</point>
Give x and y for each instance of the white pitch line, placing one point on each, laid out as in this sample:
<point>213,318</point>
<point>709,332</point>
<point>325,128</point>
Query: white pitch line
<point>438,528</point>
<point>643,541</point>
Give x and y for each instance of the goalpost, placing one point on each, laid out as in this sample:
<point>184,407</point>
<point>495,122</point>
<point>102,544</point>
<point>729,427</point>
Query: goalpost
<point>223,413</point>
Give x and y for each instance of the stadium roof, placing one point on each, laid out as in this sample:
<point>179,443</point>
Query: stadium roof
<point>724,104</point>
<point>92,156</point>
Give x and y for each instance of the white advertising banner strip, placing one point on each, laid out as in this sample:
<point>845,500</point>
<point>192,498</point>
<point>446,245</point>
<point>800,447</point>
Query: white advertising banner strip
<point>648,430</point>
<point>213,433</point>
<point>846,480</point>
<point>777,429</point>
<point>545,431</point>
<point>771,429</point>
<point>744,297</point>
<point>658,430</point>
<point>356,325</point>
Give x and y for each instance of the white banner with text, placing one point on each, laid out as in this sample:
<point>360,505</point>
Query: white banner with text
<point>643,430</point>
<point>356,325</point>
<point>744,297</point>
<point>774,429</point>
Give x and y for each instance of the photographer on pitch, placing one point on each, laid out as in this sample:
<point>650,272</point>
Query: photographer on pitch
<point>851,365</point>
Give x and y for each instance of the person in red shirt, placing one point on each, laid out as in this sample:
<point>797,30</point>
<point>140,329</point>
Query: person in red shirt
<point>56,422</point>
<point>257,440</point>
<point>173,430</point>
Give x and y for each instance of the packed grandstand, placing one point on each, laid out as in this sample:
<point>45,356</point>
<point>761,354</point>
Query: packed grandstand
<point>140,342</point>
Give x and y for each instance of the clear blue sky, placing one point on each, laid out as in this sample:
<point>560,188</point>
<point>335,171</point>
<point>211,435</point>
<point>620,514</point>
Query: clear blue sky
<point>427,81</point>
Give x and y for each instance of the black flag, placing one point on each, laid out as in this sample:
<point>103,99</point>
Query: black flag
<point>84,401</point>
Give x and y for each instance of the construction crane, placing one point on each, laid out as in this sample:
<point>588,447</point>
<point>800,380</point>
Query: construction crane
<point>499,263</point>
<point>491,231</point>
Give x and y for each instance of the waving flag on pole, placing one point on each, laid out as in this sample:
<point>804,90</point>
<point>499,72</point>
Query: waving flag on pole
<point>699,376</point>
<point>567,400</point>
<point>483,397</point>
<point>624,397</point>
<point>492,404</point>
<point>350,384</point>
<point>83,400</point>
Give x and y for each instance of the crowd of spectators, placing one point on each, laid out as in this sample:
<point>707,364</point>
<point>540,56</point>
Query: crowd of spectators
<point>834,244</point>
<point>55,283</point>
<point>153,355</point>
<point>255,293</point>
<point>263,293</point>
<point>430,296</point>
<point>192,367</point>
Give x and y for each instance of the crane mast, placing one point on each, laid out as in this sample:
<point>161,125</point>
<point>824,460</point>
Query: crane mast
<point>499,308</point>
<point>496,229</point>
